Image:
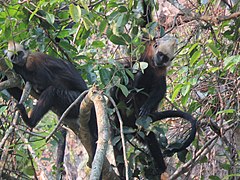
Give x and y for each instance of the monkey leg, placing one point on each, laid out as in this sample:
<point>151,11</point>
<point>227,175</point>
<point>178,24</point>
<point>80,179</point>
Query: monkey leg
<point>43,105</point>
<point>156,153</point>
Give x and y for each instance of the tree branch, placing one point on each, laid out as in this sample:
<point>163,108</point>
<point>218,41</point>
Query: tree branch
<point>103,132</point>
<point>122,134</point>
<point>100,162</point>
<point>214,19</point>
<point>199,155</point>
<point>13,80</point>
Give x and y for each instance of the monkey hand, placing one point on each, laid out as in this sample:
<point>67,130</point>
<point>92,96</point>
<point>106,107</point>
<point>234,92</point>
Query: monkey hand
<point>24,115</point>
<point>144,110</point>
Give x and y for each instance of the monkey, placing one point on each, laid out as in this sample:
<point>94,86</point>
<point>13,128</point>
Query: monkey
<point>151,83</point>
<point>150,88</point>
<point>56,82</point>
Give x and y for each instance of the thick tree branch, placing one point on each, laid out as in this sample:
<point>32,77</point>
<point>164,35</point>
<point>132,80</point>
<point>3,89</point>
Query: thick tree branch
<point>103,132</point>
<point>214,19</point>
<point>13,80</point>
<point>100,162</point>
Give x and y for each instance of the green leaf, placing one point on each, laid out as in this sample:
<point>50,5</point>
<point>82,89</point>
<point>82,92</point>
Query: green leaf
<point>195,57</point>
<point>36,10</point>
<point>231,175</point>
<point>117,40</point>
<point>134,30</point>
<point>192,48</point>
<point>176,91</point>
<point>102,26</point>
<point>130,4</point>
<point>231,62</point>
<point>213,69</point>
<point>29,170</point>
<point>85,6</point>
<point>75,12</point>
<point>214,178</point>
<point>123,89</point>
<point>214,50</point>
<point>226,166</point>
<point>185,99</point>
<point>87,23</point>
<point>7,32</point>
<point>226,111</point>
<point>130,74</point>
<point>122,9</point>
<point>63,33</point>
<point>98,44</point>
<point>126,37</point>
<point>50,18</point>
<point>2,109</point>
<point>193,81</point>
<point>8,63</point>
<point>144,122</point>
<point>152,28</point>
<point>185,89</point>
<point>105,75</point>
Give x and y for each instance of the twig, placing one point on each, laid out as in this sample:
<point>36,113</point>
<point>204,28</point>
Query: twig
<point>184,168</point>
<point>26,92</point>
<point>76,33</point>
<point>44,172</point>
<point>218,19</point>
<point>188,40</point>
<point>121,133</point>
<point>173,26</point>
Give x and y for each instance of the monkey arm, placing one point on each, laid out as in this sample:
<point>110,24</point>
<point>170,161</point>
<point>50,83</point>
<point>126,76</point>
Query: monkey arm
<point>44,103</point>
<point>156,94</point>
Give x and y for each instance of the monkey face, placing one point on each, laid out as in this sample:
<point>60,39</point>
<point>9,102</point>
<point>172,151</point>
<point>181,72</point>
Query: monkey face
<point>161,60</point>
<point>164,52</point>
<point>18,58</point>
<point>16,53</point>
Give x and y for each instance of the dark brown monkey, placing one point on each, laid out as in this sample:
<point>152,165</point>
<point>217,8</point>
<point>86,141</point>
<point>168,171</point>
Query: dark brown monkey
<point>57,83</point>
<point>152,84</point>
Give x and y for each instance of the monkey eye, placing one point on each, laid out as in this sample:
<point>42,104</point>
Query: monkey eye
<point>13,56</point>
<point>155,45</point>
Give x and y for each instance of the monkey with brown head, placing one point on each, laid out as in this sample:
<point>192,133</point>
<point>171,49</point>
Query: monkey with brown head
<point>150,85</point>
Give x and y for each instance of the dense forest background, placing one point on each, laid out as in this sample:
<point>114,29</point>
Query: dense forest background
<point>95,36</point>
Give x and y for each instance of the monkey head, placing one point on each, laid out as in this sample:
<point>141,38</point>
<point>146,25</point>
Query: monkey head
<point>16,53</point>
<point>164,53</point>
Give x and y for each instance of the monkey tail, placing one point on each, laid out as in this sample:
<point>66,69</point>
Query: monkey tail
<point>156,116</point>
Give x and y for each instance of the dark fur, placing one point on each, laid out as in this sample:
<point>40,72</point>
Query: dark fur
<point>145,103</point>
<point>57,83</point>
<point>153,83</point>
